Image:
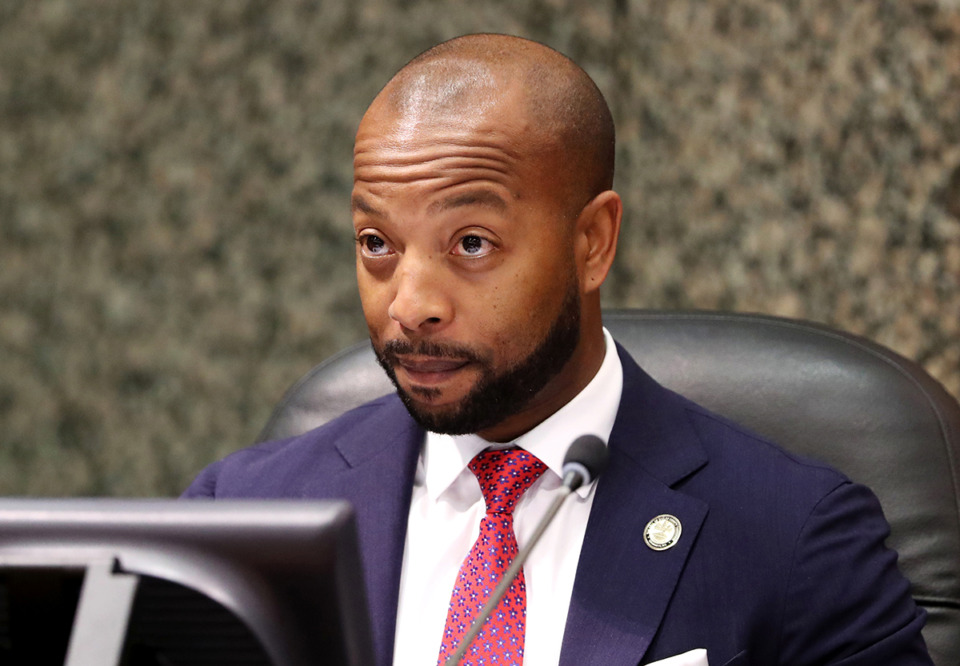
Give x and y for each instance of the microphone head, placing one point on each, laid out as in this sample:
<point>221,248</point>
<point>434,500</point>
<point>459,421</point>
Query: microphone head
<point>587,454</point>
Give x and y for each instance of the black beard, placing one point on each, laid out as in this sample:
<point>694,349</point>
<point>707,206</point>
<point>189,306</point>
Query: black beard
<point>496,396</point>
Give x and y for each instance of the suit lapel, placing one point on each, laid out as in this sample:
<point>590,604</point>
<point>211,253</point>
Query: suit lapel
<point>380,462</point>
<point>623,586</point>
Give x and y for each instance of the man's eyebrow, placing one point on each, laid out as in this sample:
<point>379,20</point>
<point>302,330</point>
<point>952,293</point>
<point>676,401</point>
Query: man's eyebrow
<point>472,198</point>
<point>358,203</point>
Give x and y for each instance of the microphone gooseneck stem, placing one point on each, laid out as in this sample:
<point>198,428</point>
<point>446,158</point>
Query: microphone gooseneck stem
<point>509,575</point>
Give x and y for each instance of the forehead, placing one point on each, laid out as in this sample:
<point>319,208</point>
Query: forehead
<point>407,151</point>
<point>485,135</point>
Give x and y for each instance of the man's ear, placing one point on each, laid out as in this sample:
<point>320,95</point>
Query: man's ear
<point>598,227</point>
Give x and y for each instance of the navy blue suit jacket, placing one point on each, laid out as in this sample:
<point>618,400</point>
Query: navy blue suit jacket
<point>780,561</point>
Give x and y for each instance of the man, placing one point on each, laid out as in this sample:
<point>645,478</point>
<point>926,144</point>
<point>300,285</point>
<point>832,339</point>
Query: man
<point>485,225</point>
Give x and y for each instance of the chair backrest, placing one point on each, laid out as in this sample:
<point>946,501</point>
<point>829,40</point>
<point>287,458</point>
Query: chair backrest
<point>869,412</point>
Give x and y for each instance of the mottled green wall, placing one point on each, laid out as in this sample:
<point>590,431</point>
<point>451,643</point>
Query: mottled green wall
<point>174,181</point>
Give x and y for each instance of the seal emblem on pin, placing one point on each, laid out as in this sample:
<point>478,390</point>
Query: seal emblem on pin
<point>662,532</point>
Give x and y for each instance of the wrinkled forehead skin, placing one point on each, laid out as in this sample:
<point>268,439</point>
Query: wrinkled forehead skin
<point>455,107</point>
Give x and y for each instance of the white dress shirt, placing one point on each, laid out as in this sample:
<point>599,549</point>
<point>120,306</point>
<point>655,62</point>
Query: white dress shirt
<point>445,518</point>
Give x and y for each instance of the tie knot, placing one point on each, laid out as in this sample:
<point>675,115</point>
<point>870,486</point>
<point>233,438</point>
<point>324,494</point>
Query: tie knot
<point>504,476</point>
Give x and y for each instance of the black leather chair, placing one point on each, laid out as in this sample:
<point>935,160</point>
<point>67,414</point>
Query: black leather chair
<point>871,413</point>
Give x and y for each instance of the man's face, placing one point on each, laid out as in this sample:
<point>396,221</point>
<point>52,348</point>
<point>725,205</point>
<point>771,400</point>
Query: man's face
<point>465,265</point>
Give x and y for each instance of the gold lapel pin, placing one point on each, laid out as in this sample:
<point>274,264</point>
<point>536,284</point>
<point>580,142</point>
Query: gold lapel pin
<point>662,532</point>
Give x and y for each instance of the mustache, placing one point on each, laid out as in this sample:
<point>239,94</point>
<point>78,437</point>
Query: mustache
<point>392,349</point>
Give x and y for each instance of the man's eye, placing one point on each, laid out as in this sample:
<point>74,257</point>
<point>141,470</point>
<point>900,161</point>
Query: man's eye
<point>473,246</point>
<point>373,246</point>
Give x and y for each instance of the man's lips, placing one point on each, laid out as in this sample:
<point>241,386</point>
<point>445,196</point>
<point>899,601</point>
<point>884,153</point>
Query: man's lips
<point>429,369</point>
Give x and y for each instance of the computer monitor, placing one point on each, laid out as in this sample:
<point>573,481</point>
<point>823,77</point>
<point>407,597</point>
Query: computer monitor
<point>178,582</point>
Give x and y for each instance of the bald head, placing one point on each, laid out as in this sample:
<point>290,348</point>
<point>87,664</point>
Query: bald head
<point>569,123</point>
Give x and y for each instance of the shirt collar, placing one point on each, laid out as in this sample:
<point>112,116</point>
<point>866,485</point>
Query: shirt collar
<point>592,411</point>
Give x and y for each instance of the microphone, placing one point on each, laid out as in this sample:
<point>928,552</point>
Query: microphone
<point>585,460</point>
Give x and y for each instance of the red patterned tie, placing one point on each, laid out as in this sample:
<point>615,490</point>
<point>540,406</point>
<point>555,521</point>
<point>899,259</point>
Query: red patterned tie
<point>504,476</point>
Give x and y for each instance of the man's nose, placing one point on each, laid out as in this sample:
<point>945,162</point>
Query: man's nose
<point>421,299</point>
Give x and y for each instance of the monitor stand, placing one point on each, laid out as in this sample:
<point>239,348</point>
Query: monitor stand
<point>103,613</point>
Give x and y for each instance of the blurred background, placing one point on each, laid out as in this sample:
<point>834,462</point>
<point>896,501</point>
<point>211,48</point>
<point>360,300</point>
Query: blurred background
<point>175,244</point>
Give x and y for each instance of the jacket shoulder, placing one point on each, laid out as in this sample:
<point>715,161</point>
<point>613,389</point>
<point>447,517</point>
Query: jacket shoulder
<point>280,468</point>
